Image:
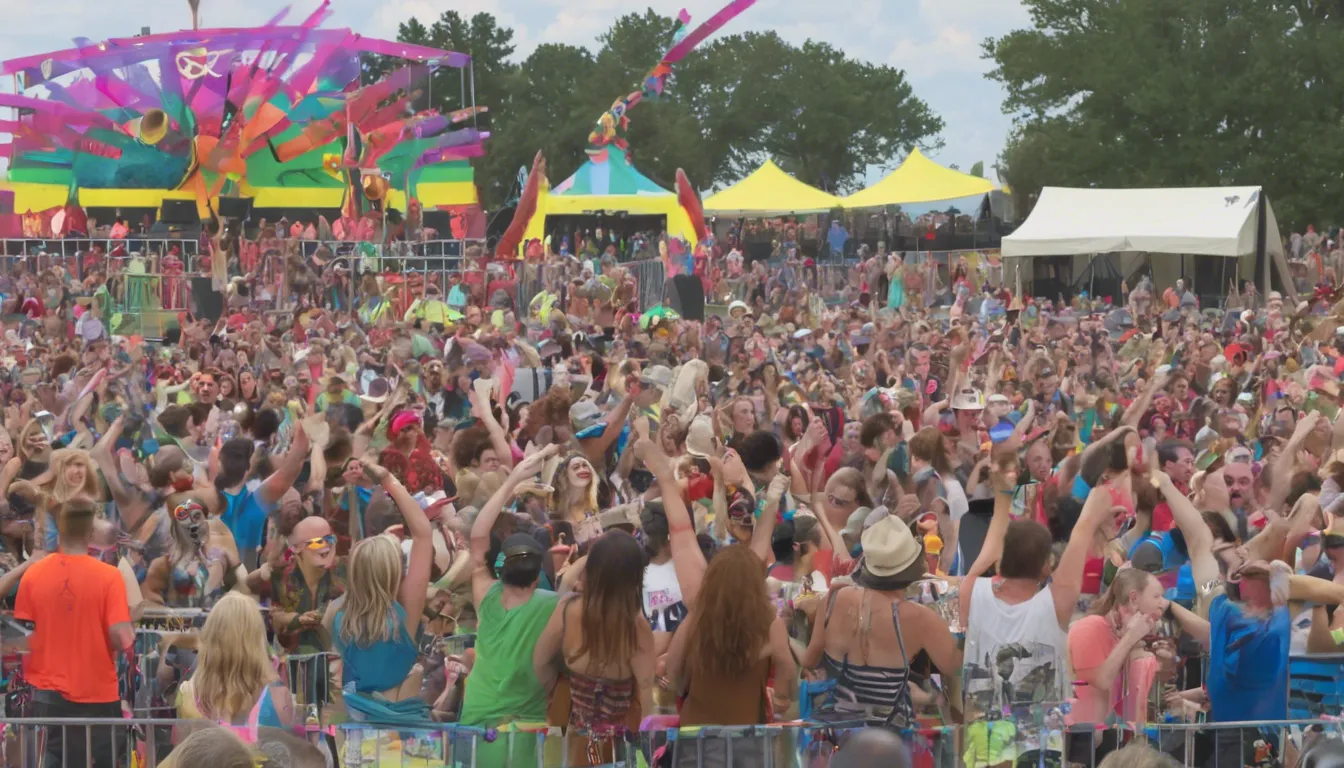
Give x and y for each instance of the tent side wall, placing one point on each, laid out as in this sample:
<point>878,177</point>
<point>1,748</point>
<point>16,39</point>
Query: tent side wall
<point>1165,268</point>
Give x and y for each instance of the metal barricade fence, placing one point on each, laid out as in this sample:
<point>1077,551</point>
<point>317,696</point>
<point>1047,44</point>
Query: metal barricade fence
<point>650,280</point>
<point>839,282</point>
<point>120,742</point>
<point>419,255</point>
<point>309,678</point>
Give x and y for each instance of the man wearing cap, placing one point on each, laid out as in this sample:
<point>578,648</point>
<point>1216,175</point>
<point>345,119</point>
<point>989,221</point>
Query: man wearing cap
<point>968,408</point>
<point>659,378</point>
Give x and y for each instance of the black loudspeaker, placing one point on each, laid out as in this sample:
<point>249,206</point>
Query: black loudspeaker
<point>179,213</point>
<point>235,207</point>
<point>686,294</point>
<point>206,302</point>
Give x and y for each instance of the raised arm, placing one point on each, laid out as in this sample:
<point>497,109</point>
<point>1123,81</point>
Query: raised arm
<point>480,408</point>
<point>481,579</point>
<point>1137,408</point>
<point>687,558</point>
<point>101,453</point>
<point>1067,582</point>
<point>1198,537</point>
<point>282,479</point>
<point>1004,480</point>
<point>1281,480</point>
<point>764,529</point>
<point>1014,441</point>
<point>416,582</point>
<point>595,448</point>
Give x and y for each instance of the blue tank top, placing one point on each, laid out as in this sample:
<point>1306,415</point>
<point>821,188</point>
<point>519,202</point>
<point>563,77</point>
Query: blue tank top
<point>381,666</point>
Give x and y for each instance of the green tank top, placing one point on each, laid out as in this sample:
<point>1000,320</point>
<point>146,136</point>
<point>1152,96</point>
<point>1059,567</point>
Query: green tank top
<point>502,686</point>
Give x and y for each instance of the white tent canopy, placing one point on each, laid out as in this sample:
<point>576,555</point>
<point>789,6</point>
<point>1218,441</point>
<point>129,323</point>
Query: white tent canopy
<point>1210,221</point>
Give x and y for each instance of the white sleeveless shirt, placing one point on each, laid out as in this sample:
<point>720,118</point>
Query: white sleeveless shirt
<point>1015,654</point>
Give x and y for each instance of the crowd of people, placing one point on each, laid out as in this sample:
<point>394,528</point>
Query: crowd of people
<point>932,501</point>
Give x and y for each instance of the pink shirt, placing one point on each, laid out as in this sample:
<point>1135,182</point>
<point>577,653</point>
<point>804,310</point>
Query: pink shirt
<point>1091,640</point>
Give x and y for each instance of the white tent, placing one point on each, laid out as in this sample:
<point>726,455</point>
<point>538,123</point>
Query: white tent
<point>1209,221</point>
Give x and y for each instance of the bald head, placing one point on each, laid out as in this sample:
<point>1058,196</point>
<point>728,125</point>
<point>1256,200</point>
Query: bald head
<point>104,533</point>
<point>872,746</point>
<point>309,528</point>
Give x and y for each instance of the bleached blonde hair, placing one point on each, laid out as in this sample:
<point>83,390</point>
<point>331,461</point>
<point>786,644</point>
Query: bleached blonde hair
<point>61,491</point>
<point>373,582</point>
<point>233,665</point>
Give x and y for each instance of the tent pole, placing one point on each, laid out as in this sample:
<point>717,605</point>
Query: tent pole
<point>1261,251</point>
<point>1222,278</point>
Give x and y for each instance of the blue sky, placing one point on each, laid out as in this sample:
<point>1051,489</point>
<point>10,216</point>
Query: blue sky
<point>937,42</point>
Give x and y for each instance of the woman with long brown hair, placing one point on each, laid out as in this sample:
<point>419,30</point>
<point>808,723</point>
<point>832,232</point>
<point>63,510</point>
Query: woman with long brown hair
<point>725,651</point>
<point>603,644</point>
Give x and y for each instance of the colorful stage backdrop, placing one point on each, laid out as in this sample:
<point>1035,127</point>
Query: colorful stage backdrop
<point>276,113</point>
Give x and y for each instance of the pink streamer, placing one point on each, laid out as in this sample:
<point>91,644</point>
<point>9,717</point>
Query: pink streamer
<point>727,14</point>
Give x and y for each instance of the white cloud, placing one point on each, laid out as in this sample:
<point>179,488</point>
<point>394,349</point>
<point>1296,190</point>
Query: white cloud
<point>951,49</point>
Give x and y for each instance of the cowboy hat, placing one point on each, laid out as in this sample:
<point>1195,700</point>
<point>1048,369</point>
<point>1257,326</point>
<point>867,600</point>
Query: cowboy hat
<point>892,558</point>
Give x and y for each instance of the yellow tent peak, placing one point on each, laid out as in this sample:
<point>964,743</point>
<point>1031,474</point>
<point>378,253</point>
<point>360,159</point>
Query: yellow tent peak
<point>919,180</point>
<point>769,191</point>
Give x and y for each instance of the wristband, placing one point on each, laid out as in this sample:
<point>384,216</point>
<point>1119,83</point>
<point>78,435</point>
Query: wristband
<point>1338,636</point>
<point>679,527</point>
<point>293,625</point>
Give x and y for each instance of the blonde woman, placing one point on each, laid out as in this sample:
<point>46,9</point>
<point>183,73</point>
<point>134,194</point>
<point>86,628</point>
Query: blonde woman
<point>235,682</point>
<point>376,624</point>
<point>576,496</point>
<point>71,475</point>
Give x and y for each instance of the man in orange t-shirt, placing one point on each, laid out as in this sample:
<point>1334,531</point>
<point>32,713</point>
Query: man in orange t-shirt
<point>81,621</point>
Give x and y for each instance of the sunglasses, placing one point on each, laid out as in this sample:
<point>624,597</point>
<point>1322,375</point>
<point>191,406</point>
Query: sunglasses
<point>99,550</point>
<point>322,541</point>
<point>183,512</point>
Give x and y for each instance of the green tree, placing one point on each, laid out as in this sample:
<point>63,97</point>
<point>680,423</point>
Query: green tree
<point>728,106</point>
<point>539,119</point>
<point>978,169</point>
<point>1178,93</point>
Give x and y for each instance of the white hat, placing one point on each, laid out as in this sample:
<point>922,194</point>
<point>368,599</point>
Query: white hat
<point>968,399</point>
<point>742,305</point>
<point>700,440</point>
<point>659,376</point>
<point>889,548</point>
<point>999,399</point>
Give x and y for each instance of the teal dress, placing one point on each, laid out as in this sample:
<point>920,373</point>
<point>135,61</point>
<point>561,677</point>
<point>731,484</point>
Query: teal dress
<point>896,289</point>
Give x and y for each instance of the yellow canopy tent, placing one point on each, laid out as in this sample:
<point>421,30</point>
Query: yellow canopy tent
<point>769,191</point>
<point>919,180</point>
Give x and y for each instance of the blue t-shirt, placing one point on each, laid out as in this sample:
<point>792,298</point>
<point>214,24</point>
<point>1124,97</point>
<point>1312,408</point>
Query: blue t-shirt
<point>245,515</point>
<point>1248,664</point>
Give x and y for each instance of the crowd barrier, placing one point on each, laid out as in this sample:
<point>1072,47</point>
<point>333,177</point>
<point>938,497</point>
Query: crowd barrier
<point>420,255</point>
<point>997,744</point>
<point>840,282</point>
<point>650,281</point>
